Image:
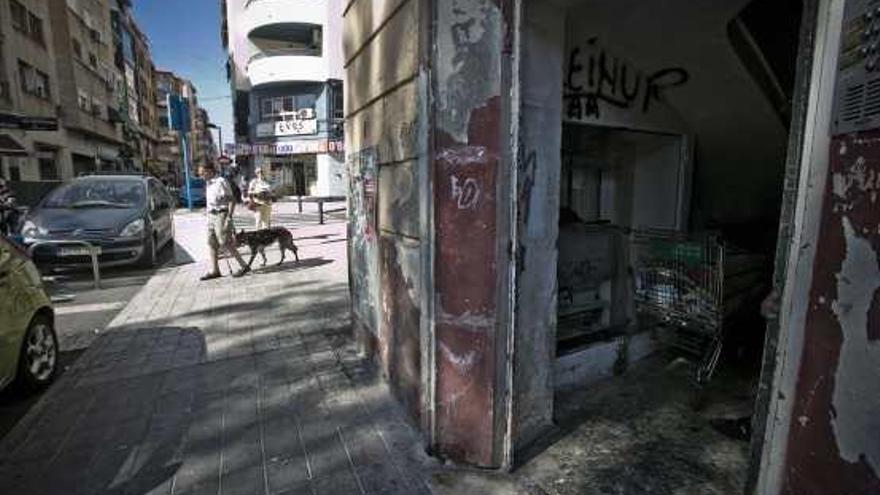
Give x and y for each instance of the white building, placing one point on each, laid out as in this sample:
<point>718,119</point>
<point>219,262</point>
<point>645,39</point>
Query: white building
<point>286,69</point>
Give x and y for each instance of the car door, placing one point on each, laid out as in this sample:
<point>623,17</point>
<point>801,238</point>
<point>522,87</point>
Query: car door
<point>14,312</point>
<point>167,210</point>
<point>160,212</point>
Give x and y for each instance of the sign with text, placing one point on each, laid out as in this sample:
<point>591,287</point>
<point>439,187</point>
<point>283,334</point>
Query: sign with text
<point>287,128</point>
<point>290,148</point>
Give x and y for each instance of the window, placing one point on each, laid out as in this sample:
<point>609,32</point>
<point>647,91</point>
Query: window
<point>77,49</point>
<point>19,16</point>
<point>97,108</point>
<point>338,102</point>
<point>42,84</point>
<point>33,81</point>
<point>285,107</point>
<point>14,173</point>
<point>36,28</point>
<point>25,75</point>
<point>306,101</point>
<point>84,101</point>
<point>48,168</point>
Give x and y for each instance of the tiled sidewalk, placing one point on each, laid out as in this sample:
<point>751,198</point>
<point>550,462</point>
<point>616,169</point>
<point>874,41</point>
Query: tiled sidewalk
<point>245,386</point>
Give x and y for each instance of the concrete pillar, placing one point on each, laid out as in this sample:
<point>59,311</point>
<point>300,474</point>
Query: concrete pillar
<point>472,196</point>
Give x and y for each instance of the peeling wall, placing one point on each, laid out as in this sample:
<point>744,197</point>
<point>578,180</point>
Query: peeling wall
<point>381,44</point>
<point>468,149</point>
<point>834,431</point>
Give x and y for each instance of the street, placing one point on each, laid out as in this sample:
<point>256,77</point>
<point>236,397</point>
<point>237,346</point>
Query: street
<point>83,313</point>
<point>229,386</point>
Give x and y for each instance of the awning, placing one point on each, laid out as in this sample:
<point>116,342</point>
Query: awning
<point>11,147</point>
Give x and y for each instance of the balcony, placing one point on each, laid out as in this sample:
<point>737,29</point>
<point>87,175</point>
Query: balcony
<point>262,13</point>
<point>286,65</point>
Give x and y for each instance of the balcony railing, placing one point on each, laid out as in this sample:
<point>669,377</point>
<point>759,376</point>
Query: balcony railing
<point>285,52</point>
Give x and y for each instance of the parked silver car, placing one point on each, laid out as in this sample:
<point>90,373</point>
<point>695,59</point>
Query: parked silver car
<point>127,218</point>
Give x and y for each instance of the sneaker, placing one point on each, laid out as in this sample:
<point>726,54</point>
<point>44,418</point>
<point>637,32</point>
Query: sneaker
<point>209,276</point>
<point>241,272</point>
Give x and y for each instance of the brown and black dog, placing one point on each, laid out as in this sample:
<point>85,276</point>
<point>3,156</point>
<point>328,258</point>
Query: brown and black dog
<point>258,240</point>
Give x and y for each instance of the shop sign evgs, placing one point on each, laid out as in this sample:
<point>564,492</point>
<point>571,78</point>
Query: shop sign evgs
<point>298,123</point>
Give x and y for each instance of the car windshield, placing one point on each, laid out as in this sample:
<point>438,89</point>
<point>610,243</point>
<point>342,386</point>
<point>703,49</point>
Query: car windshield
<point>97,194</point>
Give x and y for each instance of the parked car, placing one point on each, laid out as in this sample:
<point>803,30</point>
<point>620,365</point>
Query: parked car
<point>128,219</point>
<point>28,344</point>
<point>197,187</point>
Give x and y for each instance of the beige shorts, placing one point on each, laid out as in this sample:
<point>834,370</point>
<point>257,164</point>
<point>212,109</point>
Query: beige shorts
<point>220,230</point>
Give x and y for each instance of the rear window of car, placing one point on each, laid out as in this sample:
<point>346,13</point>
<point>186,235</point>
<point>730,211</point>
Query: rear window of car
<point>97,194</point>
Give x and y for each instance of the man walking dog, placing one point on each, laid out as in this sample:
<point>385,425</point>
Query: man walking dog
<point>219,206</point>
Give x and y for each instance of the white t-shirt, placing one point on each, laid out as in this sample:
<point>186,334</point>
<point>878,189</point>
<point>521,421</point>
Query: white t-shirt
<point>218,194</point>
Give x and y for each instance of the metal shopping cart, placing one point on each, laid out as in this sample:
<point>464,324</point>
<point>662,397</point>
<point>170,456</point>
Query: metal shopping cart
<point>679,285</point>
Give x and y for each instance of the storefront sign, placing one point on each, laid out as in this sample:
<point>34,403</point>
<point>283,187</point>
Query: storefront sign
<point>287,128</point>
<point>290,148</point>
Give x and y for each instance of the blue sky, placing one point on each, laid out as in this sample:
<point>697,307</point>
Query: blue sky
<point>185,38</point>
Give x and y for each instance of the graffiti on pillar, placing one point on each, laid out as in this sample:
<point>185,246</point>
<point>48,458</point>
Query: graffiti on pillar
<point>363,203</point>
<point>595,78</point>
<point>465,192</point>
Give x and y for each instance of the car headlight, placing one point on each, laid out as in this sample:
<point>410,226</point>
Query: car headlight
<point>30,230</point>
<point>133,229</point>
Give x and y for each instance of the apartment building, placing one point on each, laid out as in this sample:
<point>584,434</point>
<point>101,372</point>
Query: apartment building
<point>29,87</point>
<point>84,67</point>
<point>136,88</point>
<point>200,144</point>
<point>82,37</point>
<point>285,70</point>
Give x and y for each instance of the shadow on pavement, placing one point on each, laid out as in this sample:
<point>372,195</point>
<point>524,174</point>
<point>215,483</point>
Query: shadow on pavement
<point>14,403</point>
<point>291,265</point>
<point>119,420</point>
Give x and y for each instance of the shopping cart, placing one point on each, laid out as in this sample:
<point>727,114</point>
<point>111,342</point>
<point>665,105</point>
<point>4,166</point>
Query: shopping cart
<point>679,282</point>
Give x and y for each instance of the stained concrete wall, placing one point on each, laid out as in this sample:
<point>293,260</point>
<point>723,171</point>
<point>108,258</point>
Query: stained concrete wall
<point>537,203</point>
<point>381,44</point>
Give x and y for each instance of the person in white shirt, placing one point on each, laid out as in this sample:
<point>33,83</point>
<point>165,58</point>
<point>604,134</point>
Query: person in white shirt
<point>260,196</point>
<point>219,206</point>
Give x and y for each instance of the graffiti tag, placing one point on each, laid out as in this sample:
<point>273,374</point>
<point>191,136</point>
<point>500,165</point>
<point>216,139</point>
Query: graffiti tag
<point>595,77</point>
<point>466,193</point>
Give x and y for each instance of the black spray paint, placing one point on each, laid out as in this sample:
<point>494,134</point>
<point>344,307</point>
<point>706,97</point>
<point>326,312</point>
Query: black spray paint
<point>595,76</point>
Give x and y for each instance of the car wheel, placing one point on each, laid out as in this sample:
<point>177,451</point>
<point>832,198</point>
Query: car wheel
<point>38,362</point>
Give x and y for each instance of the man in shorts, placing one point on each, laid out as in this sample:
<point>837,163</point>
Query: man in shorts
<point>219,206</point>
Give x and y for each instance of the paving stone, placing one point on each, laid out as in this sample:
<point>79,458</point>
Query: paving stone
<point>222,388</point>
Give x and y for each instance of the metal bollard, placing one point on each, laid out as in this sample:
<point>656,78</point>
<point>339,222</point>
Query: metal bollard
<point>93,253</point>
<point>299,200</point>
<point>321,211</point>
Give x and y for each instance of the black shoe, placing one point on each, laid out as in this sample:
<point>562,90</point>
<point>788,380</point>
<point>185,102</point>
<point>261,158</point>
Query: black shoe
<point>241,272</point>
<point>209,276</point>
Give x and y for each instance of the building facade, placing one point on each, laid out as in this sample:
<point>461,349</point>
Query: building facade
<point>200,143</point>
<point>511,124</point>
<point>85,67</point>
<point>135,89</point>
<point>29,85</point>
<point>285,69</point>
